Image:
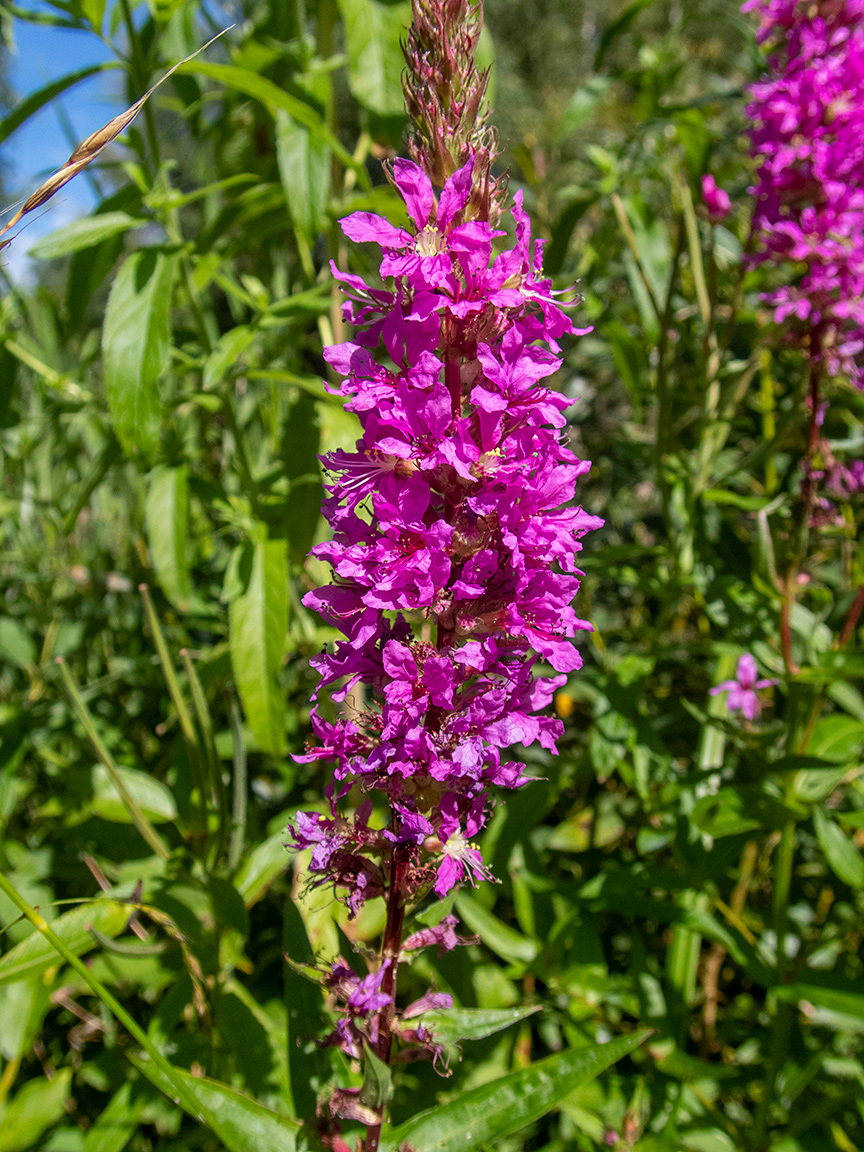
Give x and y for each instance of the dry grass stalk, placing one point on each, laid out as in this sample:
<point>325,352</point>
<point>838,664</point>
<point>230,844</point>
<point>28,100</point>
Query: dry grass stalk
<point>90,148</point>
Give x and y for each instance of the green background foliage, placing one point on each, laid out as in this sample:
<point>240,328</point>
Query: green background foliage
<point>162,408</point>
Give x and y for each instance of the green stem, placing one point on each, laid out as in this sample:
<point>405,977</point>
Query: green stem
<point>113,1005</point>
<point>148,832</point>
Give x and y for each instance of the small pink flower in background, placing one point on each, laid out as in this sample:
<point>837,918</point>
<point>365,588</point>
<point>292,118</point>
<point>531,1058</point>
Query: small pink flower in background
<point>742,690</point>
<point>716,200</point>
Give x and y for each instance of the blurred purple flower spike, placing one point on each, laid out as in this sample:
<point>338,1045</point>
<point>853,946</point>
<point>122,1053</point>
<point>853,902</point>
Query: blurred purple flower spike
<point>808,140</point>
<point>716,200</point>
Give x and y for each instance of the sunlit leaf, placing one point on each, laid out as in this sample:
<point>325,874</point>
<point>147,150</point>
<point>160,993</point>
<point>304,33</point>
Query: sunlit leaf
<point>258,622</point>
<point>494,1110</point>
<point>241,1123</point>
<point>373,33</point>
<point>36,954</point>
<point>167,514</point>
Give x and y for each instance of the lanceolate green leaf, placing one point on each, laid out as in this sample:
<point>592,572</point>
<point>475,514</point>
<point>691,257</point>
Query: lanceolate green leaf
<point>81,234</point>
<point>455,1024</point>
<point>36,100</point>
<point>258,621</point>
<point>135,347</point>
<point>36,954</point>
<point>241,1123</point>
<point>304,166</point>
<point>167,531</point>
<point>373,33</point>
<point>505,941</point>
<point>494,1110</point>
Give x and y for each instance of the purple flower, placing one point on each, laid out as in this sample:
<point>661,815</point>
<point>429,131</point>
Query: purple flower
<point>716,200</point>
<point>443,934</point>
<point>742,690</point>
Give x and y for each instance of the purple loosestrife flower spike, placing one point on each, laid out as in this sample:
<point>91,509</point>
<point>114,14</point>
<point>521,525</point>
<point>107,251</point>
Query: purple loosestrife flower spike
<point>455,537</point>
<point>742,690</point>
<point>808,140</point>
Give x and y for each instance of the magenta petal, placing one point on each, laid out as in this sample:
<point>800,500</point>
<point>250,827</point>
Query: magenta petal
<point>416,189</point>
<point>366,227</point>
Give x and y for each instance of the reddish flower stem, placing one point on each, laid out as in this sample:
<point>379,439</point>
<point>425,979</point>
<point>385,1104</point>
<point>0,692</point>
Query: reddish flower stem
<point>852,619</point>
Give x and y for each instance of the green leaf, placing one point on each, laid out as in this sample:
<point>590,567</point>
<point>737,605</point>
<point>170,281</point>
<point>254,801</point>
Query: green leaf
<point>304,166</point>
<point>258,620</point>
<point>85,233</point>
<point>151,796</point>
<point>94,10</point>
<point>377,1086</point>
<point>16,644</point>
<point>454,1024</point>
<point>732,811</point>
<point>135,346</point>
<point>33,1109</point>
<point>36,954</point>
<point>241,1123</point>
<point>260,868</point>
<point>617,28</point>
<point>373,35</point>
<point>167,514</point>
<point>23,1004</point>
<point>117,1122</point>
<point>503,940</point>
<point>36,100</point>
<point>842,855</point>
<point>494,1110</point>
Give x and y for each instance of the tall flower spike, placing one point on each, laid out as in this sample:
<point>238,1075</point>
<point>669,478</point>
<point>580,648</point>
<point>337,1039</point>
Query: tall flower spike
<point>454,544</point>
<point>445,97</point>
<point>808,138</point>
